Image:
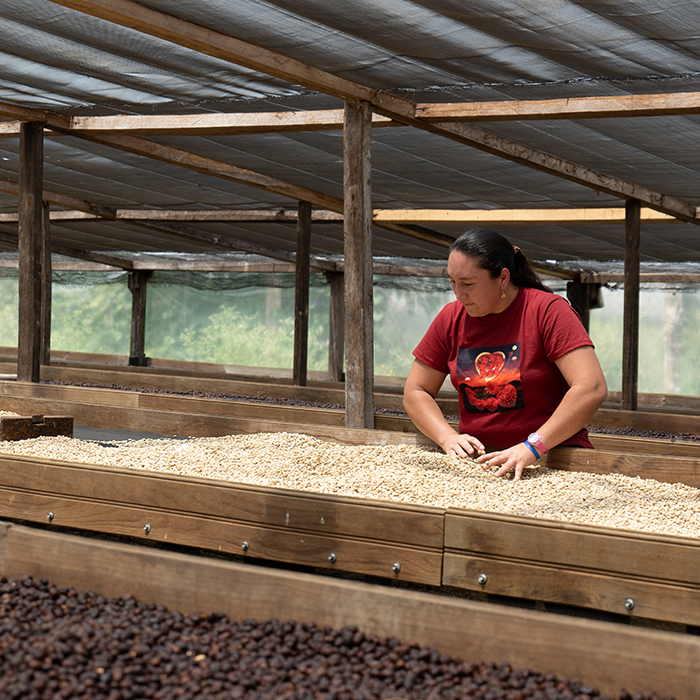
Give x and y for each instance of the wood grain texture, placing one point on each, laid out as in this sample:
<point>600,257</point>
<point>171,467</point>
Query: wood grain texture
<point>573,564</point>
<point>364,537</point>
<point>606,655</point>
<point>652,599</point>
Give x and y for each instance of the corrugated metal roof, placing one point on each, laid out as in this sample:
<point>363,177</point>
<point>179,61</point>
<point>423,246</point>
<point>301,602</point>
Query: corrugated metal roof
<point>68,61</point>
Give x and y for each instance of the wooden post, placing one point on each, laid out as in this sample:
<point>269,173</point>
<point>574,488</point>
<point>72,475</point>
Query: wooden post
<point>630,325</point>
<point>46,291</point>
<point>138,281</point>
<point>583,296</point>
<point>336,327</point>
<point>31,175</point>
<point>357,211</point>
<point>301,295</point>
<point>673,337</point>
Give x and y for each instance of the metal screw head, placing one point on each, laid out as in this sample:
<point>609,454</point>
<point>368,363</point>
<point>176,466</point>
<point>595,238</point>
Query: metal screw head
<point>332,558</point>
<point>245,546</point>
<point>629,603</point>
<point>49,516</point>
<point>396,567</point>
<point>147,528</point>
<point>482,579</point>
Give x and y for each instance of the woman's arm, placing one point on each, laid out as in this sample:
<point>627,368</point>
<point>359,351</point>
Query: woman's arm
<point>587,390</point>
<point>422,386</point>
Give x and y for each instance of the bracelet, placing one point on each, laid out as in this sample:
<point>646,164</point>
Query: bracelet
<point>532,449</point>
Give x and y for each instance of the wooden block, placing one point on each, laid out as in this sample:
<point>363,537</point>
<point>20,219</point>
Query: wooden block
<point>25,427</point>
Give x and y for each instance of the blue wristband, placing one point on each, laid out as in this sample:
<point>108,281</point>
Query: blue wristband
<point>532,449</point>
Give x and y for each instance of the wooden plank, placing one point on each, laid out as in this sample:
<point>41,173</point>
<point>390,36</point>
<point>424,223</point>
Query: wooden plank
<point>653,420</point>
<point>221,122</point>
<point>599,550</point>
<point>278,508</point>
<point>668,468</point>
<point>305,548</point>
<point>617,106</point>
<point>308,529</point>
<point>86,395</point>
<point>505,217</point>
<point>293,414</point>
<point>609,656</point>
<point>357,247</point>
<point>169,423</point>
<point>646,446</point>
<point>652,600</point>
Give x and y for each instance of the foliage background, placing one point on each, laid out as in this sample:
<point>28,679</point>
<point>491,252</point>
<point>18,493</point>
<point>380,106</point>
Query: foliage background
<point>234,320</point>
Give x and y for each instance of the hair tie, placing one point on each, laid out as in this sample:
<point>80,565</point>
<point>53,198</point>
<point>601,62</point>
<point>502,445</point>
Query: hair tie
<point>516,249</point>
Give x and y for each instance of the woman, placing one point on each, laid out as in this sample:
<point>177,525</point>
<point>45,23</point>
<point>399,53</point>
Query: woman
<point>525,369</point>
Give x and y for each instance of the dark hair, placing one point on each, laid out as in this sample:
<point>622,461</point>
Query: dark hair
<point>493,252</point>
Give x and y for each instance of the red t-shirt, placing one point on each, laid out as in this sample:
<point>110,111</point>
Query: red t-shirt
<point>502,364</point>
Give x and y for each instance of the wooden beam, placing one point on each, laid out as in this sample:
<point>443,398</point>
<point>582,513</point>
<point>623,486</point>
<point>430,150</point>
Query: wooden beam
<point>618,106</point>
<point>505,217</point>
<point>221,123</point>
<point>359,327</point>
<point>301,296</point>
<point>460,217</point>
<point>630,330</point>
<point>226,123</point>
<point>31,173</point>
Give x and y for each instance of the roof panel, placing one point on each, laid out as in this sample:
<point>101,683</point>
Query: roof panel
<point>430,50</point>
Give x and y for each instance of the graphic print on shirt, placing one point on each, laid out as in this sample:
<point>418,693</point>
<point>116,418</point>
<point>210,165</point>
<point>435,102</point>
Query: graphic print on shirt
<point>489,378</point>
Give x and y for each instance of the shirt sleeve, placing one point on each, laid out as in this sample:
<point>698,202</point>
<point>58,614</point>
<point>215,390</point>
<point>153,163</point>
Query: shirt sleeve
<point>561,329</point>
<point>434,349</point>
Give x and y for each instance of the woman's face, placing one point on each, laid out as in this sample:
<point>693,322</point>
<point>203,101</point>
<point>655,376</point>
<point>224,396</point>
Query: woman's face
<point>479,293</point>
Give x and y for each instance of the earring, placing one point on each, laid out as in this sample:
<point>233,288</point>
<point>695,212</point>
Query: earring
<point>503,294</point>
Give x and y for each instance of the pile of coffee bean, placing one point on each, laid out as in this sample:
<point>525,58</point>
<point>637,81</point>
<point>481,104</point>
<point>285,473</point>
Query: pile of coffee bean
<point>56,642</point>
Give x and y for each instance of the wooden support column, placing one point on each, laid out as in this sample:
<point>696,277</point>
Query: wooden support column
<point>138,282</point>
<point>31,214</point>
<point>301,295</point>
<point>46,291</point>
<point>583,296</point>
<point>336,327</point>
<point>357,212</point>
<point>630,325</point>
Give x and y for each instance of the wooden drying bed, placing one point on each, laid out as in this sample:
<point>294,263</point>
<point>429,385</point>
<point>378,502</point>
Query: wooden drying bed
<point>608,656</point>
<point>486,553</point>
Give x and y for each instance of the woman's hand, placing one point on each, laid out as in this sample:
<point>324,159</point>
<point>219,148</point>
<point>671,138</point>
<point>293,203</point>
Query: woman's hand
<point>462,445</point>
<point>517,457</point>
